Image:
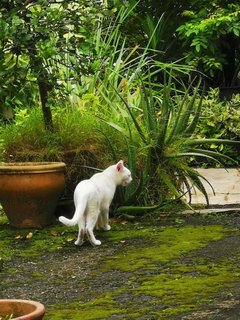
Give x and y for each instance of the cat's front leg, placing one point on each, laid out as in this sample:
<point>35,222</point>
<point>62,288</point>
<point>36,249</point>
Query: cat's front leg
<point>102,222</point>
<point>107,227</point>
<point>105,219</point>
<point>99,224</point>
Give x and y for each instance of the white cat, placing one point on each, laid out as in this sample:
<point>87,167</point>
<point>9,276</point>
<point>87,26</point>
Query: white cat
<point>92,199</point>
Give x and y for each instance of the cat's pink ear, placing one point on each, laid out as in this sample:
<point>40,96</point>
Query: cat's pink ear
<point>120,166</point>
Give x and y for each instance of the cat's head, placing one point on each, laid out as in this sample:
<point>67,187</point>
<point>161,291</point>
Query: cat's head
<point>123,174</point>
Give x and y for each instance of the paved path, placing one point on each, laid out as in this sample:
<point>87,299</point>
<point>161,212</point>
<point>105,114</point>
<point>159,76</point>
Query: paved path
<point>226,185</point>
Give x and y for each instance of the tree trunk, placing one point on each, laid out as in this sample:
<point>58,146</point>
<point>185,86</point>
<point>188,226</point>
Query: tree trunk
<point>47,114</point>
<point>229,50</point>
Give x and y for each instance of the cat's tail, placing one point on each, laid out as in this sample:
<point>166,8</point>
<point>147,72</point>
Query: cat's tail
<point>79,212</point>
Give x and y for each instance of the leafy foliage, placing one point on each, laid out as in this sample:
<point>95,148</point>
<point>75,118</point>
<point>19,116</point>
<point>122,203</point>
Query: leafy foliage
<point>220,120</point>
<point>207,34</point>
<point>164,123</point>
<point>36,39</point>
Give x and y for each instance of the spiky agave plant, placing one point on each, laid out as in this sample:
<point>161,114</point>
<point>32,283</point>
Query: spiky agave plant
<point>166,130</point>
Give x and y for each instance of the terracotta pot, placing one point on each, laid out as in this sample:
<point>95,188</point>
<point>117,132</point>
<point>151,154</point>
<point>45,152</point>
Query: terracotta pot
<point>22,309</point>
<point>29,192</point>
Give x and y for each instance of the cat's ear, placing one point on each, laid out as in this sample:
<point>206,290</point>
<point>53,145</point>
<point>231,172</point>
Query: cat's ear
<point>120,166</point>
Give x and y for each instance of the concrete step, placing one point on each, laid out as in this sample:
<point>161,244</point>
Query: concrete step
<point>226,184</point>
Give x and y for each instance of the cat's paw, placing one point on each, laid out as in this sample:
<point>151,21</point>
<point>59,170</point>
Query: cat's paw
<point>107,228</point>
<point>97,243</point>
<point>78,243</point>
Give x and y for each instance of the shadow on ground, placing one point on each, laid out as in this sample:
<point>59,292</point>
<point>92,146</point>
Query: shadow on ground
<point>177,267</point>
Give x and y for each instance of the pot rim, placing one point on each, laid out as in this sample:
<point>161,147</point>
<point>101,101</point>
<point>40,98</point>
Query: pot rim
<point>40,309</point>
<point>31,167</point>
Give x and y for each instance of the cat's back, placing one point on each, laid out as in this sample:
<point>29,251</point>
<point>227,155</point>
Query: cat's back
<point>101,179</point>
<point>84,186</point>
<point>97,186</point>
<point>90,186</point>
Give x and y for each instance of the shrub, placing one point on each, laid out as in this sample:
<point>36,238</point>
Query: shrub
<point>220,119</point>
<point>164,121</point>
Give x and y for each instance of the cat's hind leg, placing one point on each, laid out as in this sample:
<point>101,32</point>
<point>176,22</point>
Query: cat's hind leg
<point>90,224</point>
<point>80,238</point>
<point>81,232</point>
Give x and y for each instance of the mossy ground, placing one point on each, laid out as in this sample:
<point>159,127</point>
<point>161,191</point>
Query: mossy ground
<point>171,269</point>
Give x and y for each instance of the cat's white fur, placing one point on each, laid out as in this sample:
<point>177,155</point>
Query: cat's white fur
<point>92,199</point>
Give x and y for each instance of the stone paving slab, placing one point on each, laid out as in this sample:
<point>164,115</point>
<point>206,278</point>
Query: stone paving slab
<point>226,184</point>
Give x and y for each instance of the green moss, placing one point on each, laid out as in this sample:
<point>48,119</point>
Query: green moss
<point>167,286</point>
<point>180,287</point>
<point>99,308</point>
<point>162,272</point>
<point>163,245</point>
<point>187,286</point>
<point>28,243</point>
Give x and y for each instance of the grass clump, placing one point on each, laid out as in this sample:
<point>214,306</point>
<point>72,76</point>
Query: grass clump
<point>26,139</point>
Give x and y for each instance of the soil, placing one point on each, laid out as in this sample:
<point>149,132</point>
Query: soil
<point>166,267</point>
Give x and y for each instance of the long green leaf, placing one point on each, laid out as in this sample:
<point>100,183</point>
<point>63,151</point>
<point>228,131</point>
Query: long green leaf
<point>175,120</point>
<point>184,114</point>
<point>164,176</point>
<point>132,198</point>
<point>209,141</point>
<point>215,154</point>
<point>165,116</point>
<point>192,126</point>
<point>149,110</point>
<point>137,126</point>
<point>194,177</point>
<point>190,154</point>
<point>116,127</point>
<point>138,210</point>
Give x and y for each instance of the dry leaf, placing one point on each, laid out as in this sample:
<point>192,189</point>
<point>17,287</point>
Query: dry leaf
<point>54,233</point>
<point>69,239</point>
<point>29,236</point>
<point>116,220</point>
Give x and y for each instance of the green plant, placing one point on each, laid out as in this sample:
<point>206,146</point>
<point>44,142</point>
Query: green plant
<point>219,119</point>
<point>210,36</point>
<point>25,134</point>
<point>164,124</point>
<point>37,39</point>
<point>76,130</point>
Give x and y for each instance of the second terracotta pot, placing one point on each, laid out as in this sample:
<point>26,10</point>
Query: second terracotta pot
<point>21,309</point>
